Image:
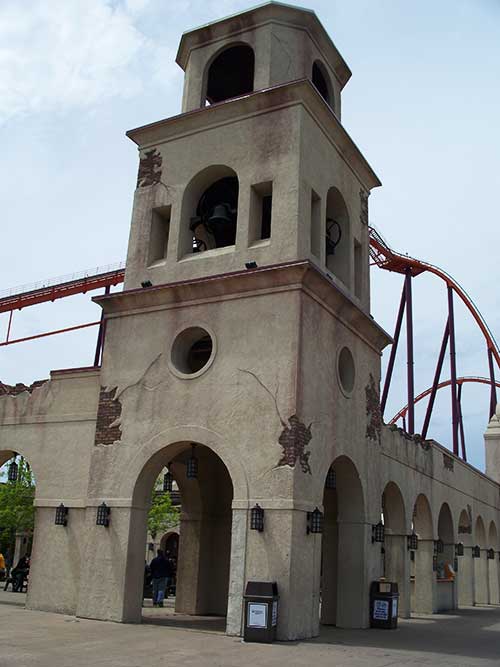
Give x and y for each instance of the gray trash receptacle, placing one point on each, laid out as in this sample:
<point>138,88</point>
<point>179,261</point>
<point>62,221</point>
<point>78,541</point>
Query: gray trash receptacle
<point>261,611</point>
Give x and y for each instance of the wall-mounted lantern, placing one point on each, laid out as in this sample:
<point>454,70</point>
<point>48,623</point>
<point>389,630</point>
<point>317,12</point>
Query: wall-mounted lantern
<point>61,518</point>
<point>413,541</point>
<point>192,465</point>
<point>491,554</point>
<point>476,551</point>
<point>331,479</point>
<point>438,546</point>
<point>102,518</point>
<point>459,549</point>
<point>257,518</point>
<point>315,521</point>
<point>13,470</point>
<point>378,532</point>
<point>168,481</point>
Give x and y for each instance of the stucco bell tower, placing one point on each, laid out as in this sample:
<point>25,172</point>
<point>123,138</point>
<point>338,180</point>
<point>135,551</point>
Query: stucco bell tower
<point>243,336</point>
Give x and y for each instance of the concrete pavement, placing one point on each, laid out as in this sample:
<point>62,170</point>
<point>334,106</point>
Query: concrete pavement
<point>469,637</point>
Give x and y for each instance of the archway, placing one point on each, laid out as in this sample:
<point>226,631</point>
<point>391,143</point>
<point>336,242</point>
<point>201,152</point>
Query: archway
<point>209,212</point>
<point>230,74</point>
<point>480,563</point>
<point>445,556</point>
<point>322,82</point>
<point>396,559</point>
<point>204,549</point>
<point>422,571</point>
<point>338,237</point>
<point>17,520</point>
<point>465,569</point>
<point>343,589</point>
<point>493,583</point>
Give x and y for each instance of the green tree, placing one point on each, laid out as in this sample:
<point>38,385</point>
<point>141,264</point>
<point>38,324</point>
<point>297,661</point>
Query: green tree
<point>17,512</point>
<point>162,514</point>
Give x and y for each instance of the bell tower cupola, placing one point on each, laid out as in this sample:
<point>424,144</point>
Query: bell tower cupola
<point>257,49</point>
<point>257,169</point>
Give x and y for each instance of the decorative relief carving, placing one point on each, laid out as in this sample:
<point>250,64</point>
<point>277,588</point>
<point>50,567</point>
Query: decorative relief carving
<point>149,169</point>
<point>294,440</point>
<point>448,462</point>
<point>374,425</point>
<point>363,199</point>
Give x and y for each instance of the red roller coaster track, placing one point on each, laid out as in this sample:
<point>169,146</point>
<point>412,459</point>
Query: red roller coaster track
<point>381,255</point>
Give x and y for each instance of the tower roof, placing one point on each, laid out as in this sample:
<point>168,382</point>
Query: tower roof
<point>231,26</point>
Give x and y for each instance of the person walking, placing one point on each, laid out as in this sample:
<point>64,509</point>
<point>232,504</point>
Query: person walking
<point>161,570</point>
<point>3,571</point>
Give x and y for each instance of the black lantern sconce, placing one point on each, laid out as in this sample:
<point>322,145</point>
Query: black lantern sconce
<point>491,554</point>
<point>61,518</point>
<point>438,546</point>
<point>13,471</point>
<point>102,518</point>
<point>257,518</point>
<point>331,479</point>
<point>413,541</point>
<point>168,481</point>
<point>459,549</point>
<point>192,465</point>
<point>315,521</point>
<point>476,551</point>
<point>378,532</point>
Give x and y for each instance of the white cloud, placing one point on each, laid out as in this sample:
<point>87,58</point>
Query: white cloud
<point>64,54</point>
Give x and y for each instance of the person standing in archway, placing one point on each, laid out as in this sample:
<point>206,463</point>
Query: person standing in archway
<point>161,570</point>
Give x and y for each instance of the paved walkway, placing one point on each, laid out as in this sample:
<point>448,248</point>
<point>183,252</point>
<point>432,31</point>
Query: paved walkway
<point>468,638</point>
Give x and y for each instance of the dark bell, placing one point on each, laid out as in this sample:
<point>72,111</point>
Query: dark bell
<point>221,225</point>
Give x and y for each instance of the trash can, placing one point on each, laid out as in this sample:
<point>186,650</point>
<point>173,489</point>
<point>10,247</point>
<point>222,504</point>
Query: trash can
<point>261,611</point>
<point>384,602</point>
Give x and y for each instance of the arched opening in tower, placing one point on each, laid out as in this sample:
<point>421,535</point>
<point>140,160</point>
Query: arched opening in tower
<point>231,74</point>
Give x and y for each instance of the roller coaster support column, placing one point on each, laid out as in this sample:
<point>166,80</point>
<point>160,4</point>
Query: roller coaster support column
<point>437,376</point>
<point>453,373</point>
<point>101,334</point>
<point>493,395</point>
<point>409,352</point>
<point>394,349</point>
<point>461,422</point>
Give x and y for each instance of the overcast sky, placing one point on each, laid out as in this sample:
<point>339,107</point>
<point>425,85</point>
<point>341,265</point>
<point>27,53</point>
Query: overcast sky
<point>423,105</point>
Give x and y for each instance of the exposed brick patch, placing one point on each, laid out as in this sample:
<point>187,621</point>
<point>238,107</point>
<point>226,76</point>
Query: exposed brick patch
<point>108,411</point>
<point>294,440</point>
<point>374,425</point>
<point>149,169</point>
<point>19,388</point>
<point>448,462</point>
<point>363,199</point>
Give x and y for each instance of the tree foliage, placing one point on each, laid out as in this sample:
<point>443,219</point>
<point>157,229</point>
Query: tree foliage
<point>162,514</point>
<point>17,512</point>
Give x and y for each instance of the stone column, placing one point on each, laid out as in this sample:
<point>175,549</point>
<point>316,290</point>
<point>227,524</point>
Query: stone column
<point>112,570</point>
<point>397,568</point>
<point>425,593</point>
<point>493,580</point>
<point>481,579</point>
<point>286,554</point>
<point>188,564</point>
<point>358,565</point>
<point>237,570</point>
<point>465,579</point>
<point>329,571</point>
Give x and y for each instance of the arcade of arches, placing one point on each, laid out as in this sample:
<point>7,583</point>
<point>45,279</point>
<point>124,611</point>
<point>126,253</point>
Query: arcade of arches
<point>243,339</point>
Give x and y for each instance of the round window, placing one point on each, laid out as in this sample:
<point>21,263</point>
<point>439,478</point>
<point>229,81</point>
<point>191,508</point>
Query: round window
<point>346,370</point>
<point>192,351</point>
